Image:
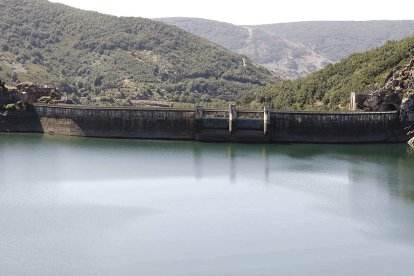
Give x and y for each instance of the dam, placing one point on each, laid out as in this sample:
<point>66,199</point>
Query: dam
<point>209,125</point>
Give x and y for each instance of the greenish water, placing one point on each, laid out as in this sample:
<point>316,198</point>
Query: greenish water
<point>71,206</point>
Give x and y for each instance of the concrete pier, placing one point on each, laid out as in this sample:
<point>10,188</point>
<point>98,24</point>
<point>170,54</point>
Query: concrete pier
<point>266,121</point>
<point>232,118</point>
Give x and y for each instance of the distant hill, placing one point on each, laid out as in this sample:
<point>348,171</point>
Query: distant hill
<point>296,49</point>
<point>101,59</point>
<point>331,87</point>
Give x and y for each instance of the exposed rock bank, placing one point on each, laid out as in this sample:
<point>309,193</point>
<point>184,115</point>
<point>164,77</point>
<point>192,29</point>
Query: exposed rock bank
<point>411,143</point>
<point>29,93</point>
<point>397,94</point>
<point>35,93</point>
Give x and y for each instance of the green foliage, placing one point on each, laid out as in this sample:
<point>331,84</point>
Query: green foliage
<point>330,88</point>
<point>86,53</point>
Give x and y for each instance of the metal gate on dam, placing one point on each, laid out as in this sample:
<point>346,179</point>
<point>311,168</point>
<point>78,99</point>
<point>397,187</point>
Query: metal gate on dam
<point>211,125</point>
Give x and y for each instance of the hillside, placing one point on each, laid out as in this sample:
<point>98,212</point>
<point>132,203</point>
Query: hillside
<point>101,59</point>
<point>297,49</point>
<point>330,88</point>
<point>337,40</point>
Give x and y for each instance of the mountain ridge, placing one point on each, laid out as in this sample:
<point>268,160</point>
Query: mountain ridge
<point>311,44</point>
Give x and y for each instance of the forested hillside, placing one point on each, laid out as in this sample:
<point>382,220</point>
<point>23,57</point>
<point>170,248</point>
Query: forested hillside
<point>297,49</point>
<point>101,59</point>
<point>330,88</point>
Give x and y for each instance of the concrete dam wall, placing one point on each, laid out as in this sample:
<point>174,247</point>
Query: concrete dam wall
<point>117,122</point>
<point>351,127</point>
<point>207,124</point>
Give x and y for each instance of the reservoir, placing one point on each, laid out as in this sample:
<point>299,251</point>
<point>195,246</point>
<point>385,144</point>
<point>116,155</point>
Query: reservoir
<point>83,206</point>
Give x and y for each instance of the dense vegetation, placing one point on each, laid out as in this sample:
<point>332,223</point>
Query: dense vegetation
<point>330,88</point>
<point>297,49</point>
<point>109,60</point>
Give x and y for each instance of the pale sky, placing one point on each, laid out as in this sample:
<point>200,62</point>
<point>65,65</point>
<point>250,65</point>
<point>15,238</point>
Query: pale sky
<point>254,12</point>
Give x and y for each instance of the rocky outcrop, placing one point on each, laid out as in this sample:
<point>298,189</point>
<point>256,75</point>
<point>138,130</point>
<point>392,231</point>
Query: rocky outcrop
<point>29,93</point>
<point>397,94</point>
<point>35,93</point>
<point>3,86</point>
<point>411,143</point>
<point>7,95</point>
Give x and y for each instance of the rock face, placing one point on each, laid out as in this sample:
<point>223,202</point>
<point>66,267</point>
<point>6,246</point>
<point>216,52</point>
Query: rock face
<point>397,94</point>
<point>29,93</point>
<point>34,93</point>
<point>3,86</point>
<point>7,95</point>
<point>411,143</point>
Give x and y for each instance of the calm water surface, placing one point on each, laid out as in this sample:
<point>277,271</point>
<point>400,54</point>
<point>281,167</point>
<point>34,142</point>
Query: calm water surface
<point>71,206</point>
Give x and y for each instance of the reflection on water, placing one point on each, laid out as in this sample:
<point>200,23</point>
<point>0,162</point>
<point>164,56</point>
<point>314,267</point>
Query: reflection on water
<point>71,206</point>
